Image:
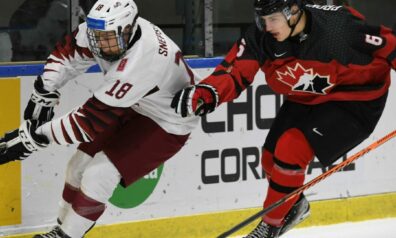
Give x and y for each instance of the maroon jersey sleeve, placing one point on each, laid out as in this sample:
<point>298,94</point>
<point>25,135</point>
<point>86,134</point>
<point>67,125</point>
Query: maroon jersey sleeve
<point>235,73</point>
<point>68,48</point>
<point>66,61</point>
<point>85,123</point>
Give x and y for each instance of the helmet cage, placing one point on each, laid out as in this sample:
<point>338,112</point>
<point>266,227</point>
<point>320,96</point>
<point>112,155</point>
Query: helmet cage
<point>116,41</point>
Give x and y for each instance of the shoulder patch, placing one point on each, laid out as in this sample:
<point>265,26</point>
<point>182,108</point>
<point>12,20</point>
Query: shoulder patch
<point>122,64</point>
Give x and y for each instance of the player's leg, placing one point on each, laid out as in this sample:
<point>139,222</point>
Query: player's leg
<point>74,172</point>
<point>333,129</point>
<point>98,183</point>
<point>291,158</point>
<point>130,153</point>
<point>267,163</point>
<point>328,130</point>
<point>75,168</point>
<point>74,175</point>
<point>80,160</point>
<point>288,115</point>
<point>85,205</point>
<point>293,154</point>
<point>286,118</point>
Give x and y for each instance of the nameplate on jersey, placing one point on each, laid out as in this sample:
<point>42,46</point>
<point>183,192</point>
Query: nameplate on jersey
<point>96,24</point>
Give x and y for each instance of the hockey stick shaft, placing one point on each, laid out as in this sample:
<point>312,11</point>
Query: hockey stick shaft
<point>311,183</point>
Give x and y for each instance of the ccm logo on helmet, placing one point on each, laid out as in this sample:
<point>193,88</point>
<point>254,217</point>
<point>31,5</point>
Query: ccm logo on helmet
<point>325,7</point>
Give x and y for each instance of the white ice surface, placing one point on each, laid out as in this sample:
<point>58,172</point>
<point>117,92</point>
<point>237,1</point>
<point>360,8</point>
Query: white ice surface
<point>383,228</point>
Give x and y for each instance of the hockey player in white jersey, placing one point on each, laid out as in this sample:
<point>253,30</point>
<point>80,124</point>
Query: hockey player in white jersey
<point>126,129</point>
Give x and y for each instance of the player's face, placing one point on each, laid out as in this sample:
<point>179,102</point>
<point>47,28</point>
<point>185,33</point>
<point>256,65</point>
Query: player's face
<point>277,25</point>
<point>107,42</point>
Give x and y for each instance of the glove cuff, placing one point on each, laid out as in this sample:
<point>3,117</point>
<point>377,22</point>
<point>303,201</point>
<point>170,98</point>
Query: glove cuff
<point>43,97</point>
<point>29,138</point>
<point>209,95</point>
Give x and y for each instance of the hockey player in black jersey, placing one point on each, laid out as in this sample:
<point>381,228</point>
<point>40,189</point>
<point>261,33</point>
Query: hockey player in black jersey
<point>334,71</point>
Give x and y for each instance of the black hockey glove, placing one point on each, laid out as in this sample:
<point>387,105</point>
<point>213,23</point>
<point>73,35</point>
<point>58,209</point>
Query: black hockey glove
<point>198,99</point>
<point>22,142</point>
<point>41,104</point>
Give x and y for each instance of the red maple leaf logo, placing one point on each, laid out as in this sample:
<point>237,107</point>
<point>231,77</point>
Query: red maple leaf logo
<point>304,80</point>
<point>292,76</point>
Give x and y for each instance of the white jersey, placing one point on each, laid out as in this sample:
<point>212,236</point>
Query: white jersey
<point>144,79</point>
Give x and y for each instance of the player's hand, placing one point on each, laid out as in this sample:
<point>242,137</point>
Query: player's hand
<point>197,99</point>
<point>41,104</point>
<point>22,142</point>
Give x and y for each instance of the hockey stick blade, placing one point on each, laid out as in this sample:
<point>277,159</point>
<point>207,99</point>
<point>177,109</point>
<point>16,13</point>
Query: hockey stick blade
<point>308,185</point>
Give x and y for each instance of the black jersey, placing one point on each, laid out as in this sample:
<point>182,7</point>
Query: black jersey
<point>338,56</point>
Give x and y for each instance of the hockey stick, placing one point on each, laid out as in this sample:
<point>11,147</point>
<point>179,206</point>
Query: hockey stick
<point>309,184</point>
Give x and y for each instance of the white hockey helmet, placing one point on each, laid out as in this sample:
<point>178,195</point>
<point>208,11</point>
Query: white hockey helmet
<point>117,19</point>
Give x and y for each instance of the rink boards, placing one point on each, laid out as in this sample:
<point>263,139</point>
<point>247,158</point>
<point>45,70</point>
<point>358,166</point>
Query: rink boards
<point>211,184</point>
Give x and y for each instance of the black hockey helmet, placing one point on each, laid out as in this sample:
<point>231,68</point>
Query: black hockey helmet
<point>267,7</point>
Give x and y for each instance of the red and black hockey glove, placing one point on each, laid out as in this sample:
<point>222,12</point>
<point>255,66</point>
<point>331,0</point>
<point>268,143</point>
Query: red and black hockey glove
<point>197,99</point>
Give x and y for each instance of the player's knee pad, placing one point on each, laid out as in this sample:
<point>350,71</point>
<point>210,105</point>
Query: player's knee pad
<point>267,162</point>
<point>293,150</point>
<point>77,164</point>
<point>100,178</point>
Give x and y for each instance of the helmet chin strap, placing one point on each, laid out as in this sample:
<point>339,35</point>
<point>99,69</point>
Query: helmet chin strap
<point>293,27</point>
